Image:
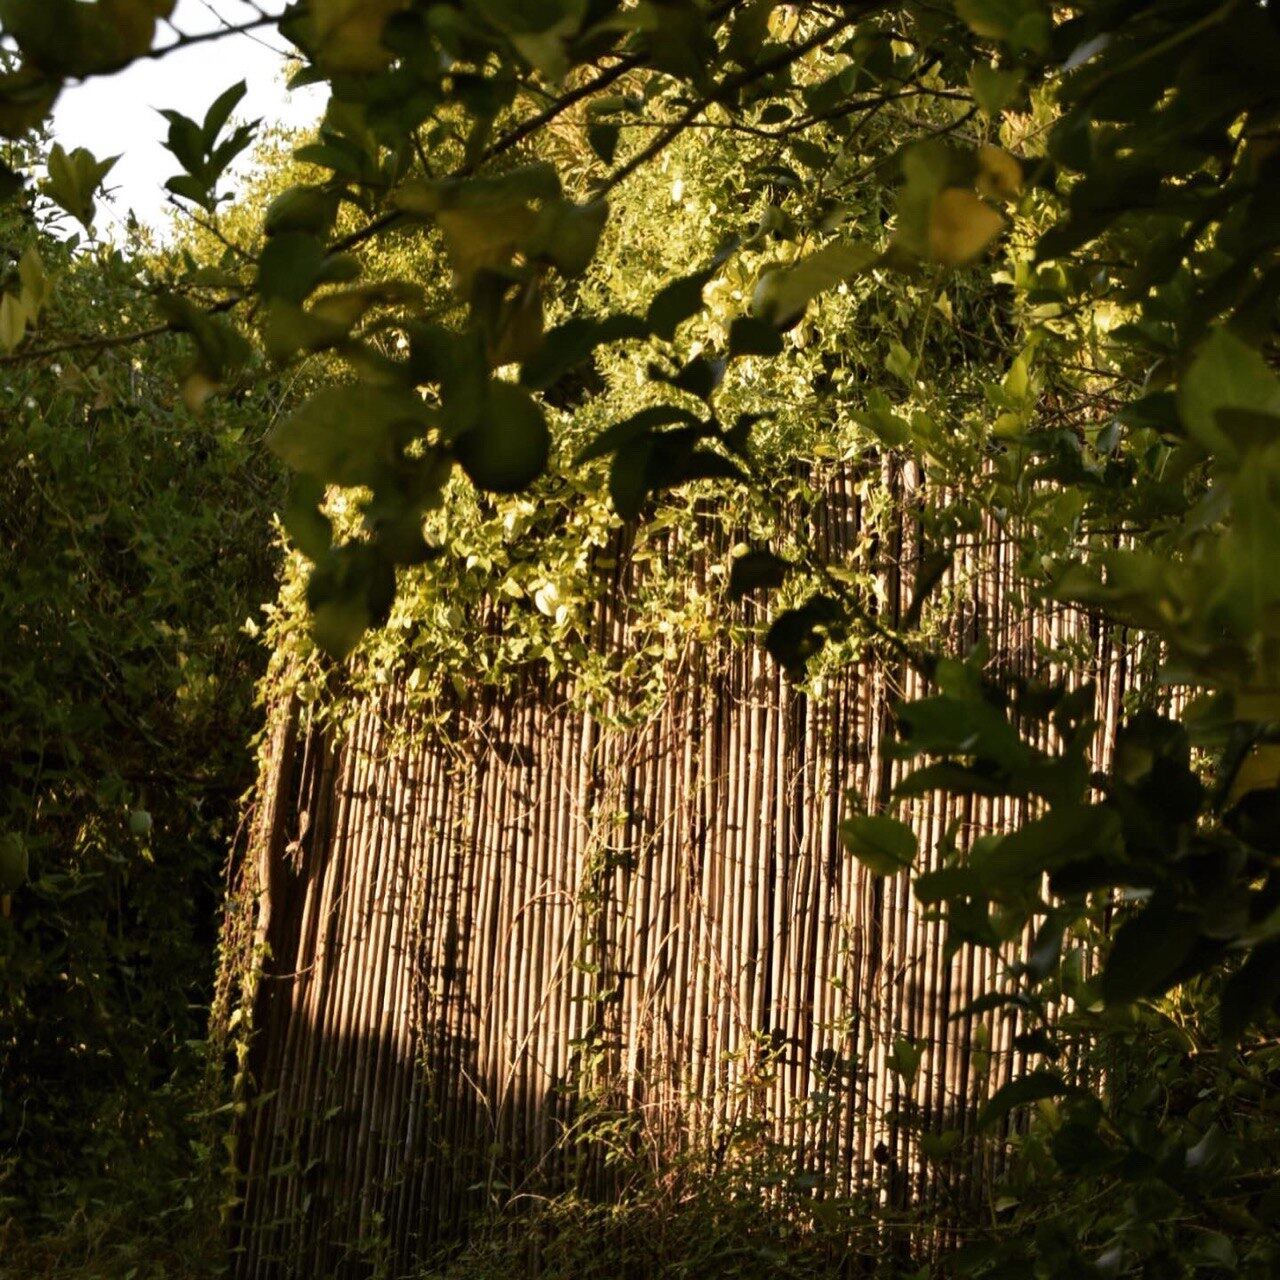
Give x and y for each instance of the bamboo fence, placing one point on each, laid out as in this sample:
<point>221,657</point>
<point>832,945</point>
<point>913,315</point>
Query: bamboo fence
<point>477,944</point>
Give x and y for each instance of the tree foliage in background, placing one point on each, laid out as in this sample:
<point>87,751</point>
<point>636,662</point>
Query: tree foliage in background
<point>125,704</point>
<point>1108,169</point>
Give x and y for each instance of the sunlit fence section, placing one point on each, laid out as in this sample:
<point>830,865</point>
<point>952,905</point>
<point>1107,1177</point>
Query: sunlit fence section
<point>533,942</point>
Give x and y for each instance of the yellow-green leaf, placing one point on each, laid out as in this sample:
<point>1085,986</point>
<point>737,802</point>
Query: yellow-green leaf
<point>961,226</point>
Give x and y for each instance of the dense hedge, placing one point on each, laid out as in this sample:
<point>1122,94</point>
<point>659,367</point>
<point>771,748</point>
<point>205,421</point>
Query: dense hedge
<point>135,544</point>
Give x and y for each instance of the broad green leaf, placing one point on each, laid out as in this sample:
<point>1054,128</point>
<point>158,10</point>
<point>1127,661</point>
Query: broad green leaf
<point>1067,833</point>
<point>640,424</point>
<point>947,882</point>
<point>993,88</point>
<point>74,179</point>
<point>756,571</point>
<point>487,220</point>
<point>566,234</point>
<point>888,427</point>
<point>1023,24</point>
<point>568,345</point>
<point>1229,397</point>
<point>964,726</point>
<point>1147,952</point>
<point>677,301</point>
<point>602,137</point>
<point>999,174</point>
<point>305,523</point>
<point>961,226</point>
<point>34,282</point>
<point>348,34</point>
<point>629,476</point>
<point>904,1059</point>
<point>751,337</point>
<point>293,265</point>
<point>15,864</point>
<point>13,322</point>
<point>1251,991</point>
<point>782,294</point>
<point>881,843</point>
<point>349,435</point>
<point>27,96</point>
<point>220,112</point>
<point>1017,1093</point>
<point>795,635</point>
<point>307,209</point>
<point>749,30</point>
<point>938,1146</point>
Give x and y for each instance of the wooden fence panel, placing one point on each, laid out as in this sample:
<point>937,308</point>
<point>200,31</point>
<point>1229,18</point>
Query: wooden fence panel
<point>474,942</point>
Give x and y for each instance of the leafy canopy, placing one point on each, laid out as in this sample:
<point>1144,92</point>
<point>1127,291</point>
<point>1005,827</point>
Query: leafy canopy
<point>1110,165</point>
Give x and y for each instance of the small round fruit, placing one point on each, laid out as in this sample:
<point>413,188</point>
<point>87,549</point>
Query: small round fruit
<point>140,823</point>
<point>507,449</point>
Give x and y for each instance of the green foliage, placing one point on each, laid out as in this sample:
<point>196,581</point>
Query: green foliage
<point>748,1205</point>
<point>1166,1170</point>
<point>698,1230</point>
<point>202,152</point>
<point>1088,190</point>
<point>125,701</point>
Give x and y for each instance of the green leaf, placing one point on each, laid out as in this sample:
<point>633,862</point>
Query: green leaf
<point>1229,398</point>
<point>890,428</point>
<point>13,322</point>
<point>1067,833</point>
<point>783,293</point>
<point>961,226</point>
<point>700,376</point>
<point>569,344</point>
<point>957,779</point>
<point>881,843</point>
<point>947,882</point>
<point>937,1146</point>
<point>310,210</point>
<point>15,865</point>
<point>350,590</point>
<point>35,290</point>
<point>291,266</point>
<point>756,571</point>
<point>964,726</point>
<point>677,301</point>
<point>639,425</point>
<point>1251,992</point>
<point>904,1059</point>
<point>901,363</point>
<point>1213,1249</point>
<point>1147,952</point>
<point>751,337</point>
<point>566,234</point>
<point>1020,1092</point>
<point>749,30</point>
<point>220,112</point>
<point>349,435</point>
<point>993,89</point>
<point>74,179</point>
<point>602,137</point>
<point>488,219</point>
<point>306,525</point>
<point>795,635</point>
<point>1023,24</point>
<point>189,188</point>
<point>629,476</point>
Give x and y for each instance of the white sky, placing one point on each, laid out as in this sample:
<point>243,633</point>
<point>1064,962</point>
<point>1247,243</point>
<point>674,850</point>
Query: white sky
<point>119,114</point>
